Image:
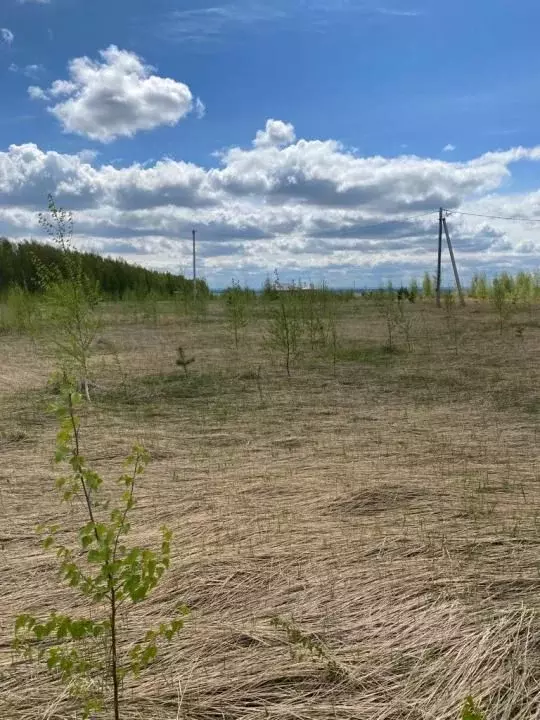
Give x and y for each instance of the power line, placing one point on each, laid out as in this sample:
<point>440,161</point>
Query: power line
<point>397,220</point>
<point>416,217</point>
<point>493,217</point>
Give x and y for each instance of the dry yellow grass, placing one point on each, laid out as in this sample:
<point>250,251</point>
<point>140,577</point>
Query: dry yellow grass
<point>391,510</point>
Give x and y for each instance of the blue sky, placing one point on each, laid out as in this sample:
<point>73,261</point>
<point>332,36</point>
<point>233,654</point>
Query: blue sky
<point>368,113</point>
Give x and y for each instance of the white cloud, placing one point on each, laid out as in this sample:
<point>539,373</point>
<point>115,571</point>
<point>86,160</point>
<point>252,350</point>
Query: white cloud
<point>200,108</point>
<point>6,36</point>
<point>449,148</point>
<point>204,25</point>
<point>36,93</point>
<point>211,22</point>
<point>324,173</point>
<point>276,134</point>
<point>305,205</point>
<point>116,96</point>
<point>36,2</point>
<point>62,87</point>
<point>32,71</point>
<point>393,12</point>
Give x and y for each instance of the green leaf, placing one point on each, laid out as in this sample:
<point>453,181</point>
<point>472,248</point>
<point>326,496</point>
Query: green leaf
<point>470,711</point>
<point>24,621</point>
<point>149,654</point>
<point>94,556</point>
<point>40,631</point>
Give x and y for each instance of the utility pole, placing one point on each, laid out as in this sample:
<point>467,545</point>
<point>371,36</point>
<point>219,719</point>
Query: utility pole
<point>193,233</point>
<point>454,266</point>
<point>439,258</point>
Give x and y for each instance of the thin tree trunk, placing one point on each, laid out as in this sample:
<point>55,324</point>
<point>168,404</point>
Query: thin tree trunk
<point>114,660</point>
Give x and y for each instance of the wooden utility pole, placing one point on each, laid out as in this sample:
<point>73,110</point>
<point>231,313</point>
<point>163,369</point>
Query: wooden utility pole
<point>439,258</point>
<point>193,233</point>
<point>452,258</point>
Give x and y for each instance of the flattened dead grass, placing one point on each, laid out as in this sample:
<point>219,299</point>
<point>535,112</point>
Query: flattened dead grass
<point>392,511</point>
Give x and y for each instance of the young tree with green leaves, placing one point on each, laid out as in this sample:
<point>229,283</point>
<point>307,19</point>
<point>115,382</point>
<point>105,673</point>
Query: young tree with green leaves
<point>479,286</point>
<point>427,286</point>
<point>236,306</point>
<point>316,307</point>
<point>414,290</point>
<point>285,324</point>
<point>524,287</point>
<point>71,299</point>
<point>389,309</point>
<point>503,303</point>
<point>87,653</point>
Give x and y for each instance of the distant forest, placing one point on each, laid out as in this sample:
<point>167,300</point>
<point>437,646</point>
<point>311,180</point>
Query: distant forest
<point>116,278</point>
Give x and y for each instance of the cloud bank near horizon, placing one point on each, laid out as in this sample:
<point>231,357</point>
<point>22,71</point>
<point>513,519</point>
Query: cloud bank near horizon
<point>306,207</point>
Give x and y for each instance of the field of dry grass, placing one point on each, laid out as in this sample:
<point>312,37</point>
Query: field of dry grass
<point>391,509</point>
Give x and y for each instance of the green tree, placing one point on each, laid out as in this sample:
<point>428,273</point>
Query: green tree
<point>236,306</point>
<point>391,310</point>
<point>116,277</point>
<point>285,324</point>
<point>482,288</point>
<point>71,298</point>
<point>507,283</point>
<point>87,653</point>
<point>502,303</point>
<point>524,287</point>
<point>427,286</point>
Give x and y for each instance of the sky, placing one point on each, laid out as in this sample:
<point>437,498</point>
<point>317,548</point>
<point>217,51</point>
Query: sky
<point>315,138</point>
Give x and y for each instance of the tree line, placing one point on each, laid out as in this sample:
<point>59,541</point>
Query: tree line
<point>19,263</point>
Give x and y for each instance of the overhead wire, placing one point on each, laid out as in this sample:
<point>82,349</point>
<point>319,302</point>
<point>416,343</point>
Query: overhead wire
<point>398,220</point>
<point>515,218</point>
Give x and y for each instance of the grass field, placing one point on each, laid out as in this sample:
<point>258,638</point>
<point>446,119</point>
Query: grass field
<point>390,507</point>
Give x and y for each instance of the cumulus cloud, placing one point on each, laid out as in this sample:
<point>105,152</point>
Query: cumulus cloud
<point>276,134</point>
<point>449,148</point>
<point>286,203</point>
<point>324,173</point>
<point>35,2</point>
<point>115,96</point>
<point>6,36</point>
<point>36,93</point>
